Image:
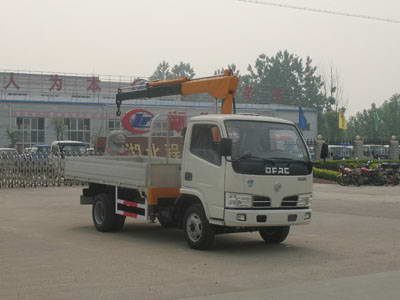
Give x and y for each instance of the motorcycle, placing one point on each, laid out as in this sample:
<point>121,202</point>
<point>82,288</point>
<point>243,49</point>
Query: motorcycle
<point>392,173</point>
<point>373,176</point>
<point>349,176</point>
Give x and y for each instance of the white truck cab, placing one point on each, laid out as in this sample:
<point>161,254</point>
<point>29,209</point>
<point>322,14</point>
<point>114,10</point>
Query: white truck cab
<point>267,179</point>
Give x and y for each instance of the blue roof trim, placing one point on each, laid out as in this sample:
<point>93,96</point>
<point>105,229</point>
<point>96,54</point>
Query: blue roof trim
<point>181,104</point>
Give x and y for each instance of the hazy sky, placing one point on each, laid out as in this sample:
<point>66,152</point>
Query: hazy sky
<point>130,37</point>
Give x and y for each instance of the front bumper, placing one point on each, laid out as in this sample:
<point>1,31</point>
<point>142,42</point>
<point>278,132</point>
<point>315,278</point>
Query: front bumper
<point>264,218</point>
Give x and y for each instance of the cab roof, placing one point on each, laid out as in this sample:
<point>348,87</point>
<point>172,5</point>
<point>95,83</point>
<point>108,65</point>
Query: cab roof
<point>240,117</point>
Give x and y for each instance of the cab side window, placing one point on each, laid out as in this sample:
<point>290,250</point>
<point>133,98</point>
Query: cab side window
<point>205,143</point>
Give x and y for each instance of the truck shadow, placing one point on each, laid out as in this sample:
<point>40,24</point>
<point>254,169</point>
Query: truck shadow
<point>172,238</point>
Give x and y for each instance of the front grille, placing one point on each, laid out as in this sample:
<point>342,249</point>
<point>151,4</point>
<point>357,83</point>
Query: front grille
<point>260,201</point>
<point>289,201</point>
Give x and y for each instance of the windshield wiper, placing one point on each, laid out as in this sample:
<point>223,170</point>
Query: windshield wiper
<point>248,155</point>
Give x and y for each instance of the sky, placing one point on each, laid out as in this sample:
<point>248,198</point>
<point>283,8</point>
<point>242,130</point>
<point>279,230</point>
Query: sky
<point>130,37</point>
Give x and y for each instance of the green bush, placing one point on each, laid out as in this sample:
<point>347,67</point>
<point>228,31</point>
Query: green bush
<point>334,165</point>
<point>325,174</point>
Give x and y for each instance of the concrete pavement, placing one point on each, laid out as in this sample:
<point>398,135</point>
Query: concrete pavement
<point>49,249</point>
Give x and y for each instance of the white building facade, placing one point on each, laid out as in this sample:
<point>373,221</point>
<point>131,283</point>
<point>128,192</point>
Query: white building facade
<point>42,107</point>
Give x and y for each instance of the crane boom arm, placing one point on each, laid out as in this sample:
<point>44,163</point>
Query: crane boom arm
<point>221,87</point>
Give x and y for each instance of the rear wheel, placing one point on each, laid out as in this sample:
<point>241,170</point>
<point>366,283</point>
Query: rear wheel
<point>199,233</point>
<point>103,213</point>
<point>274,235</point>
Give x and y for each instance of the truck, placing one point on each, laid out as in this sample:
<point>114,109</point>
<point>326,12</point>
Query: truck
<point>237,173</point>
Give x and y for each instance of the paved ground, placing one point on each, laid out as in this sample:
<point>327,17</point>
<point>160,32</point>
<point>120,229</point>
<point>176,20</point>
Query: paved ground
<point>50,250</point>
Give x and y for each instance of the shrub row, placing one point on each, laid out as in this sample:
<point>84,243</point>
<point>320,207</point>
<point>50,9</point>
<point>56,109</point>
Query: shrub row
<point>334,165</point>
<point>325,174</point>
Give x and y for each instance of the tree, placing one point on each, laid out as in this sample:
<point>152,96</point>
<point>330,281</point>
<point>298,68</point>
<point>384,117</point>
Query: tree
<point>162,72</point>
<point>333,91</point>
<point>165,72</point>
<point>59,127</point>
<point>232,67</point>
<point>377,124</point>
<point>328,119</point>
<point>12,135</point>
<point>285,79</point>
<point>182,70</point>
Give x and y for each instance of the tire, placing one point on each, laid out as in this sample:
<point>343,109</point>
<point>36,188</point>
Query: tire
<point>103,213</point>
<point>274,235</point>
<point>199,233</point>
<point>341,180</point>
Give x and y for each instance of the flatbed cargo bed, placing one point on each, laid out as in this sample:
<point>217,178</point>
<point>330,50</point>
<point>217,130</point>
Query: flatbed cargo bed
<point>124,171</point>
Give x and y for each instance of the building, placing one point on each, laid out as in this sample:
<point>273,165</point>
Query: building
<point>43,107</point>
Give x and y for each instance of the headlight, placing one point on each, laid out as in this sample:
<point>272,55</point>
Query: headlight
<point>304,200</point>
<point>234,200</point>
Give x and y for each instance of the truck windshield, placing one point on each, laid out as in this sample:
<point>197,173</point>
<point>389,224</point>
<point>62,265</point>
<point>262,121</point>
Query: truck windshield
<point>252,140</point>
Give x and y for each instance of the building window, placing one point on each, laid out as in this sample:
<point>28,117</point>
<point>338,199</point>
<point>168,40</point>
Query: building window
<point>77,129</point>
<point>31,131</point>
<point>114,124</point>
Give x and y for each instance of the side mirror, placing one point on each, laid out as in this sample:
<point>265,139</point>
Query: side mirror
<point>226,147</point>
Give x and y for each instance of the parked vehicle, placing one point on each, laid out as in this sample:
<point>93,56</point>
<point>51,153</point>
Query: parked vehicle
<point>69,147</point>
<point>8,151</point>
<point>43,150</point>
<point>349,176</point>
<point>391,173</point>
<point>373,176</point>
<point>238,173</point>
<point>339,152</point>
<point>376,151</point>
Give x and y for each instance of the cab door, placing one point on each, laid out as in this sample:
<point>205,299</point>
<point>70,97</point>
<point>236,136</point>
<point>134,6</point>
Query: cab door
<point>203,167</point>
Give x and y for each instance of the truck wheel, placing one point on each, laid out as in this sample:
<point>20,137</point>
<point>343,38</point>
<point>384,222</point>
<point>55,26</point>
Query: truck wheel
<point>199,233</point>
<point>104,217</point>
<point>274,235</point>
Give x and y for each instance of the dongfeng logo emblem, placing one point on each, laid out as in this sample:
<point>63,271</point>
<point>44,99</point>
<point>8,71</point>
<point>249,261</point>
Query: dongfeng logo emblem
<point>277,171</point>
<point>137,121</point>
<point>277,187</point>
<point>250,183</point>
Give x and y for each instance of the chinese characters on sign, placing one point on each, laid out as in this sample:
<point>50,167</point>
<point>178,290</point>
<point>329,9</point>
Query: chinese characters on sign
<point>94,84</point>
<point>57,83</point>
<point>177,120</point>
<point>12,82</point>
<point>139,146</point>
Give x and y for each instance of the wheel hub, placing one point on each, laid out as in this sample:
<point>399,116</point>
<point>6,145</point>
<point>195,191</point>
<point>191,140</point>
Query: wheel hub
<point>194,227</point>
<point>99,212</point>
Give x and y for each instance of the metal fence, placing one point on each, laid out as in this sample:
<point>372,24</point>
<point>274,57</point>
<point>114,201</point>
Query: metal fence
<point>39,170</point>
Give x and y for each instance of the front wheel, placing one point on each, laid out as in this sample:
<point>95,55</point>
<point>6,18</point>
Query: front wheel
<point>274,235</point>
<point>199,233</point>
<point>104,217</point>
